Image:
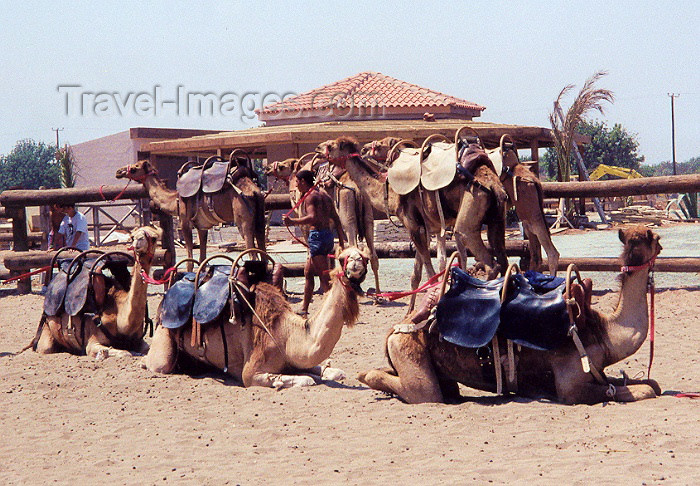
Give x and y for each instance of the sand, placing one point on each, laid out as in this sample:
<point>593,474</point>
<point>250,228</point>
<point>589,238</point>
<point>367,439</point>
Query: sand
<point>67,419</point>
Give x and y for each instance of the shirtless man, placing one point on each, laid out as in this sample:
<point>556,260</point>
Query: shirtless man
<point>320,212</point>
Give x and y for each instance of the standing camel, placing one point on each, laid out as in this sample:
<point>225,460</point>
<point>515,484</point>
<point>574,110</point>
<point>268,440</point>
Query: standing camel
<point>355,210</point>
<point>525,194</point>
<point>118,329</point>
<point>278,342</point>
<point>464,206</point>
<point>425,368</point>
<point>243,204</point>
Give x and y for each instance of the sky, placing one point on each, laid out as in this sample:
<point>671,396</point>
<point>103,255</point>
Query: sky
<point>81,66</point>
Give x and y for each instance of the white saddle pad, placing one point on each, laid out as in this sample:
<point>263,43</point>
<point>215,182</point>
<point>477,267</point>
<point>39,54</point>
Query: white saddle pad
<point>439,167</point>
<point>404,173</point>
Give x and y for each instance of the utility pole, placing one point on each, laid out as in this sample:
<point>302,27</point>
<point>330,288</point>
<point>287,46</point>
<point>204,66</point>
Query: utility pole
<point>673,129</point>
<point>61,129</point>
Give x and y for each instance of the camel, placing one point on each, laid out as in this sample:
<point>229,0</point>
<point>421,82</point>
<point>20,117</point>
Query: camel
<point>525,194</point>
<point>355,210</point>
<point>121,320</point>
<point>425,368</point>
<point>278,349</point>
<point>246,209</point>
<point>464,206</point>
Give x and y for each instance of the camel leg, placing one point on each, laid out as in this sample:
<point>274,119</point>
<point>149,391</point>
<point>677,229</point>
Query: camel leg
<point>441,251</point>
<point>369,239</point>
<point>496,234</point>
<point>326,373</point>
<point>468,225</point>
<point>592,393</point>
<point>421,241</point>
<point>534,247</point>
<point>162,356</point>
<point>415,381</point>
<point>100,352</point>
<point>47,343</point>
<point>202,234</point>
<point>189,242</point>
<point>542,233</point>
<point>279,381</point>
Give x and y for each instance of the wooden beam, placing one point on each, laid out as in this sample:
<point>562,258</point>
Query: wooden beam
<point>24,261</point>
<point>602,264</point>
<point>624,187</point>
<point>33,197</point>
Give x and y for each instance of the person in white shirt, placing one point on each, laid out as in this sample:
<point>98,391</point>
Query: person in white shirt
<point>74,228</point>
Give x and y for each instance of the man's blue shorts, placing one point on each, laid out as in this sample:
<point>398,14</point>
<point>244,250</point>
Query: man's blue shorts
<point>321,242</point>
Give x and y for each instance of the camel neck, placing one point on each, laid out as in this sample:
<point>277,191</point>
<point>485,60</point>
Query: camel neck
<point>130,321</point>
<point>339,308</point>
<point>371,187</point>
<point>628,325</point>
<point>164,198</point>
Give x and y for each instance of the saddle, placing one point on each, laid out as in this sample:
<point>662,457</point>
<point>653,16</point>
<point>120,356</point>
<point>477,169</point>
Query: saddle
<point>504,157</point>
<point>72,291</point>
<point>439,166</point>
<point>216,291</point>
<point>533,313</point>
<point>404,174</point>
<point>210,177</point>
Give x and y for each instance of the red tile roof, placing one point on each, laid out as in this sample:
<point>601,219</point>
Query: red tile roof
<point>367,90</point>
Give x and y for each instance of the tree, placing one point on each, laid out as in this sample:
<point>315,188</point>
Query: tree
<point>609,146</point>
<point>30,165</point>
<point>564,127</point>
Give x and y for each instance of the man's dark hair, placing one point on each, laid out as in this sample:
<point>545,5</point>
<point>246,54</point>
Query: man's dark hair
<point>306,176</point>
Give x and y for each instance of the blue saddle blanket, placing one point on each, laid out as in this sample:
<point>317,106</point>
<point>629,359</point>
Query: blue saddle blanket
<point>533,314</point>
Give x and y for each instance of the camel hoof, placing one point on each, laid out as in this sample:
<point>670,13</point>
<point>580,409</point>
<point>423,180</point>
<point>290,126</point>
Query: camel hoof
<point>332,374</point>
<point>101,355</point>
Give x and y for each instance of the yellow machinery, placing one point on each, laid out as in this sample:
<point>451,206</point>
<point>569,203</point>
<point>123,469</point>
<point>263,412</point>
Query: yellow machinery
<point>612,170</point>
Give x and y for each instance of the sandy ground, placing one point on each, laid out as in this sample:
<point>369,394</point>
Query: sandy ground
<point>67,419</point>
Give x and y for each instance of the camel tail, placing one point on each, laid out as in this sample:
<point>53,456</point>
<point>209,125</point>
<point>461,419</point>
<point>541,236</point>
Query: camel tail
<point>35,341</point>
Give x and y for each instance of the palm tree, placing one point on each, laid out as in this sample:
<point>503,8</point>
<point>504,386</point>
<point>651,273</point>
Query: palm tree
<point>64,156</point>
<point>588,99</point>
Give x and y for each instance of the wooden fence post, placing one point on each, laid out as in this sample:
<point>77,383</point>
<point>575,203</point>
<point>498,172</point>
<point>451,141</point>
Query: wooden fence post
<point>20,242</point>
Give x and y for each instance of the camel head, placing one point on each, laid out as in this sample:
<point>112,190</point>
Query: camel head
<point>136,172</point>
<point>281,169</point>
<point>143,242</point>
<point>379,149</point>
<point>353,263</point>
<point>337,151</point>
<point>641,245</point>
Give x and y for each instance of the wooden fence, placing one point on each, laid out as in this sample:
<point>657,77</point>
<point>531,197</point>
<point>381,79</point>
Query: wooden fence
<point>14,203</point>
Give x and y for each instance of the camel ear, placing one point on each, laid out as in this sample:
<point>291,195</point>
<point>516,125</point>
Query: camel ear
<point>621,235</point>
<point>650,235</point>
<point>348,145</point>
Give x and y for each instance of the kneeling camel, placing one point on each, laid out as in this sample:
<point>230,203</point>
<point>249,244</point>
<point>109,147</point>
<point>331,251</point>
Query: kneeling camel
<point>278,349</point>
<point>425,368</point>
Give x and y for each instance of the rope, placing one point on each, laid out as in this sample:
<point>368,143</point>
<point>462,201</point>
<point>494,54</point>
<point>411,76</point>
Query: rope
<point>25,275</point>
<point>118,195</point>
<point>150,280</point>
<point>431,282</point>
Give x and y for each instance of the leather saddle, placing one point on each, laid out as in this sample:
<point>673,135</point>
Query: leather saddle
<point>183,305</point>
<point>71,290</point>
<point>533,314</point>
<point>210,177</point>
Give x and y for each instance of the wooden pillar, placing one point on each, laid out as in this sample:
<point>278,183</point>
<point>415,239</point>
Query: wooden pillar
<point>168,239</point>
<point>20,242</point>
<point>535,157</point>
